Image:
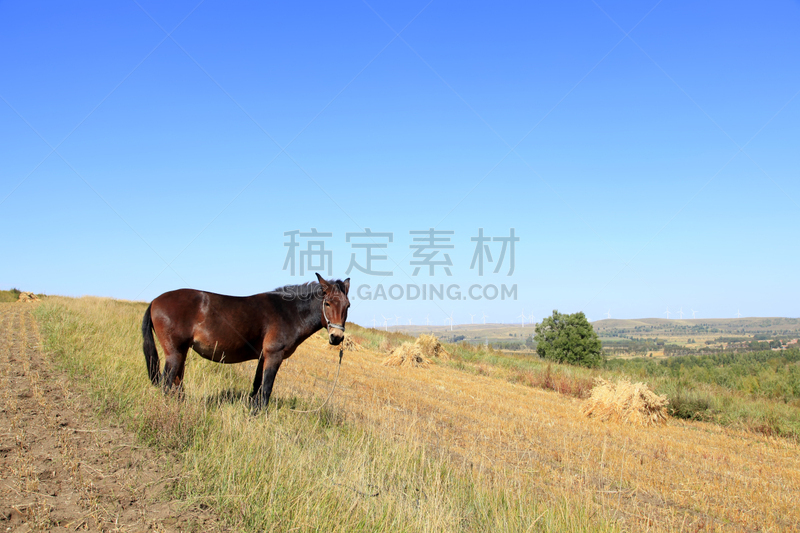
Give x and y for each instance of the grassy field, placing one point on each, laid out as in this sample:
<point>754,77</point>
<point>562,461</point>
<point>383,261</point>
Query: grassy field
<point>754,390</point>
<point>332,471</point>
<point>757,391</point>
<point>461,446</point>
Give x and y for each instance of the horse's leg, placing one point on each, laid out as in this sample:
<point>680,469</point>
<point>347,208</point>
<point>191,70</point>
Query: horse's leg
<point>178,383</point>
<point>174,366</point>
<point>272,362</point>
<point>257,378</point>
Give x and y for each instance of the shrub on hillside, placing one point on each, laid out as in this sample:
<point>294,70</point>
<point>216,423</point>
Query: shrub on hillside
<point>568,339</point>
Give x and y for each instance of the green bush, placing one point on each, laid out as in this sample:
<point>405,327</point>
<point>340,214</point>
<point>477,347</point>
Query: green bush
<point>568,339</point>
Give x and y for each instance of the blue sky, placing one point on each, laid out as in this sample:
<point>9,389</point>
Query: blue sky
<point>646,154</point>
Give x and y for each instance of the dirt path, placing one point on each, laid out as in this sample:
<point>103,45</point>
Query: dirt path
<point>62,470</point>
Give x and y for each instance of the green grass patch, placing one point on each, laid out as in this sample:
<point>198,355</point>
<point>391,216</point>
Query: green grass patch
<point>11,295</point>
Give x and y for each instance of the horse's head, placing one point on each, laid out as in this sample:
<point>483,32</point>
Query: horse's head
<point>334,307</point>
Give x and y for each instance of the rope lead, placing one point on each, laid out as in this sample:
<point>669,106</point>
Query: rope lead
<point>336,380</point>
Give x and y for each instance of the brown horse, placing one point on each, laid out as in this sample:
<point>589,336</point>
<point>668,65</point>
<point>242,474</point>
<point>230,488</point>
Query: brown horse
<point>232,329</point>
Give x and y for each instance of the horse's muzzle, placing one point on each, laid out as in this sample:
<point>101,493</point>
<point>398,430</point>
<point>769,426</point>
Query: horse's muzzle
<point>335,338</point>
<point>335,333</point>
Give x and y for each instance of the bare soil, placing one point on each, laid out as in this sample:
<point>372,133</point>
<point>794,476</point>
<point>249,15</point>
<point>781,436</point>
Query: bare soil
<point>63,469</point>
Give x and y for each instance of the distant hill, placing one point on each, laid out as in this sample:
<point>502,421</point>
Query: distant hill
<point>491,333</point>
<point>699,328</point>
<point>751,324</point>
<point>667,327</point>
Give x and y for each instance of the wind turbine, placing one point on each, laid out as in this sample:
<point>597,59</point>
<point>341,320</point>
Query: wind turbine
<point>667,313</point>
<point>522,316</point>
<point>451,321</point>
<point>532,319</point>
<point>608,313</point>
<point>485,316</point>
<point>471,318</point>
<point>693,313</point>
<point>738,314</point>
<point>396,320</point>
<point>681,313</point>
<point>409,321</point>
<point>385,327</point>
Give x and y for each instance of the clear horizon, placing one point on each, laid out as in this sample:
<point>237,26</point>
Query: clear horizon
<point>645,156</point>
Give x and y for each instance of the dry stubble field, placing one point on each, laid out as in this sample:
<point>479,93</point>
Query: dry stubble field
<point>61,470</point>
<point>687,476</point>
<point>431,449</point>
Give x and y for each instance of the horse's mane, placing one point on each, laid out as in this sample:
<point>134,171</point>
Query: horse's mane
<point>304,290</point>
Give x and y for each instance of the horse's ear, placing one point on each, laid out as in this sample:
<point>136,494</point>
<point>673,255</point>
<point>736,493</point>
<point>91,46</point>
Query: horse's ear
<point>346,286</point>
<point>325,285</point>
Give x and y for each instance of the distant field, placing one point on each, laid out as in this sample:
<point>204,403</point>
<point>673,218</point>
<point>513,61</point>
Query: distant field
<point>661,337</point>
<point>631,337</point>
<point>721,325</point>
<point>473,333</point>
<point>639,326</point>
<point>697,328</point>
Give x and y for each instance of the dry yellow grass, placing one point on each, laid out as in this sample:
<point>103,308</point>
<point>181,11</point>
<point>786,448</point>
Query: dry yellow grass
<point>332,471</point>
<point>683,476</point>
<point>623,401</point>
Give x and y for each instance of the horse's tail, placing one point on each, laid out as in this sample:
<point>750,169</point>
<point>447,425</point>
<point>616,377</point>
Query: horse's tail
<point>149,347</point>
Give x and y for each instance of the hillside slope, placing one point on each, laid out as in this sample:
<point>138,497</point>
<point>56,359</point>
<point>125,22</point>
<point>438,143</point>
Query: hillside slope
<point>489,449</point>
<point>686,474</point>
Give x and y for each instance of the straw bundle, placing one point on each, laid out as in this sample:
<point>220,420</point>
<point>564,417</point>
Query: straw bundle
<point>623,401</point>
<point>407,354</point>
<point>430,346</point>
<point>27,297</point>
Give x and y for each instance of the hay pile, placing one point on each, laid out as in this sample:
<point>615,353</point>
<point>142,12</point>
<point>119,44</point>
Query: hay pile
<point>417,354</point>
<point>430,346</point>
<point>623,401</point>
<point>27,297</point>
<point>407,354</point>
